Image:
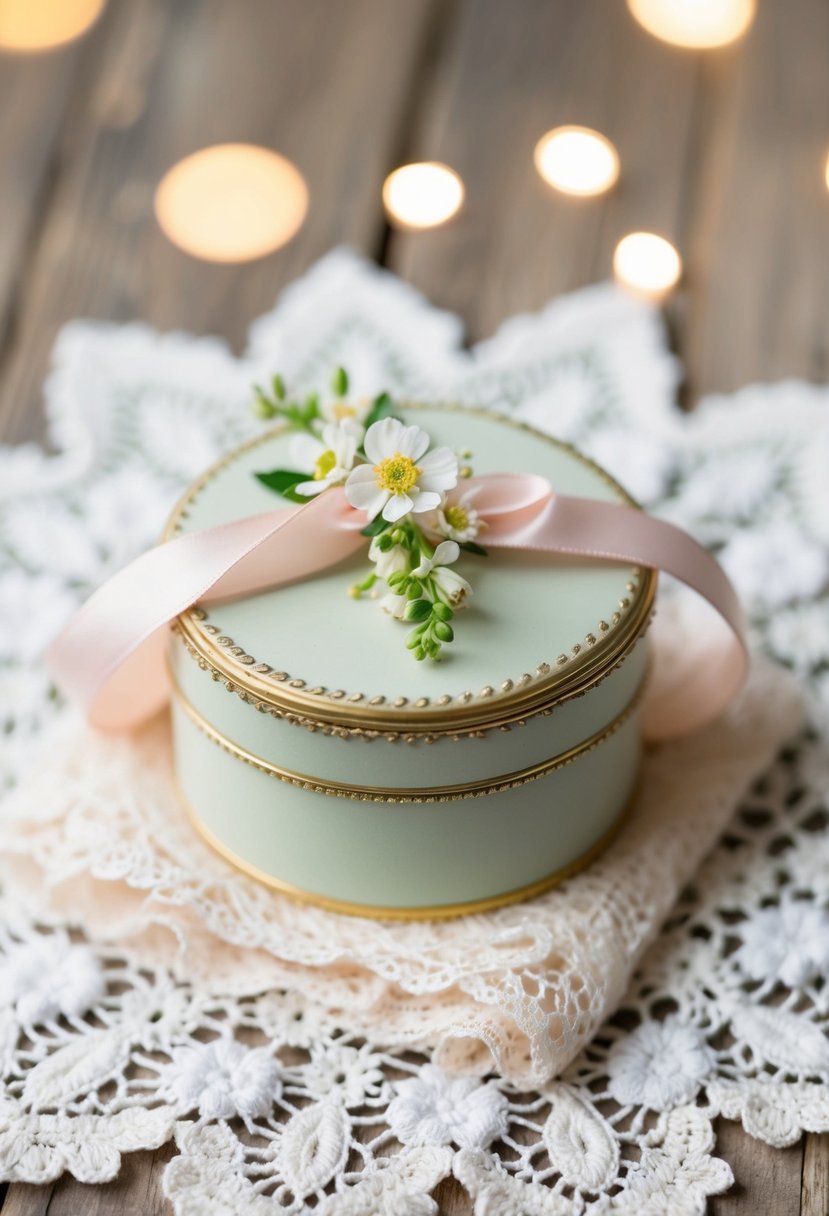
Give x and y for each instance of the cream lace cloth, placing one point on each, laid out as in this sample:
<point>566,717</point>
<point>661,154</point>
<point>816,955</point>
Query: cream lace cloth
<point>300,1058</point>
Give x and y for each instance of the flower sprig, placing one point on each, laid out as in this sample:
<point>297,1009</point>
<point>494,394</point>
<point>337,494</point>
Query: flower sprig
<point>390,471</point>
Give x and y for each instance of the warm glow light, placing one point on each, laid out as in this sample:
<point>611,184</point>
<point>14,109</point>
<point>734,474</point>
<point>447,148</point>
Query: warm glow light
<point>695,23</point>
<point>577,160</point>
<point>39,25</point>
<point>646,263</point>
<point>231,203</point>
<point>422,195</point>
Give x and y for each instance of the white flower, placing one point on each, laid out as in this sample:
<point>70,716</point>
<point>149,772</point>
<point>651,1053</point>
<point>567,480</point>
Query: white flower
<point>774,564</point>
<point>394,605</point>
<point>456,518</point>
<point>341,411</point>
<point>223,1079</point>
<point>49,977</point>
<point>660,1065</point>
<point>400,476</point>
<point>351,1073</point>
<point>329,459</point>
<point>392,561</point>
<point>790,944</point>
<point>434,1109</point>
<point>449,586</point>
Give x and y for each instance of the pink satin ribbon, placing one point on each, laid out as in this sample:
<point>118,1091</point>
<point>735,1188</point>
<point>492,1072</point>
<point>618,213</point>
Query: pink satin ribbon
<point>111,656</point>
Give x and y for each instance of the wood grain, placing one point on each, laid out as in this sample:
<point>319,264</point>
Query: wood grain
<point>170,78</point>
<point>517,242</point>
<point>814,1194</point>
<point>766,1179</point>
<point>137,1191</point>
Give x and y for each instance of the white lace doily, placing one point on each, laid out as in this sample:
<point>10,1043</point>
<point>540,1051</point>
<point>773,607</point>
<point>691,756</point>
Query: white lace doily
<point>155,1025</point>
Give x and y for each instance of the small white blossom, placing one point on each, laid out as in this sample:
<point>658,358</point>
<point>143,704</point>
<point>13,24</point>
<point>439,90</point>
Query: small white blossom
<point>456,518</point>
<point>330,458</point>
<point>434,1109</point>
<point>49,977</point>
<point>394,605</point>
<point>336,410</point>
<point>402,475</point>
<point>660,1065</point>
<point>790,944</point>
<point>223,1079</point>
<point>449,586</point>
<point>392,561</point>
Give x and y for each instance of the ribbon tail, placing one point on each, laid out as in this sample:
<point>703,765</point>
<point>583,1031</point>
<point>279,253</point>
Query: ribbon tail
<point>680,701</point>
<point>110,657</point>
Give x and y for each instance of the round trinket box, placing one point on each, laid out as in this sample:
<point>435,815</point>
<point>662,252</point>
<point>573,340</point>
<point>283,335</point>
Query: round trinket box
<point>313,753</point>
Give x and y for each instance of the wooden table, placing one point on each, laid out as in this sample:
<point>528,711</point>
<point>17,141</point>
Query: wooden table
<point>721,152</point>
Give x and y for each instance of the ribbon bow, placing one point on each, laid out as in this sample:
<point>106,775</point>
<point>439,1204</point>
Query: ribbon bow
<point>110,657</point>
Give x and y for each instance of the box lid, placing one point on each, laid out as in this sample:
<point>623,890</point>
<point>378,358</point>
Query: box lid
<point>537,629</point>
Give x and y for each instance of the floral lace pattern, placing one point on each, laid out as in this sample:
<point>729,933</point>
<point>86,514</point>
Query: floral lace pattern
<point>178,1014</point>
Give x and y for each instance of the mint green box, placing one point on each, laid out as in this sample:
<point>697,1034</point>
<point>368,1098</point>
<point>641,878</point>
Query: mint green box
<point>314,753</point>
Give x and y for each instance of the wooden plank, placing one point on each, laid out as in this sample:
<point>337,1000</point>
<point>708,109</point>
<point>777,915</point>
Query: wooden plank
<point>328,85</point>
<point>759,255</point>
<point>814,1189</point>
<point>766,1179</point>
<point>500,85</point>
<point>135,1192</point>
<point>35,91</point>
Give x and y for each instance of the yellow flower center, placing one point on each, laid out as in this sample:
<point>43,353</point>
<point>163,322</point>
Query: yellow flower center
<point>341,409</point>
<point>396,473</point>
<point>457,518</point>
<point>324,465</point>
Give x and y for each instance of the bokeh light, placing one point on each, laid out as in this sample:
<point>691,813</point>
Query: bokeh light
<point>577,160</point>
<point>40,25</point>
<point>231,202</point>
<point>647,264</point>
<point>422,195</point>
<point>695,23</point>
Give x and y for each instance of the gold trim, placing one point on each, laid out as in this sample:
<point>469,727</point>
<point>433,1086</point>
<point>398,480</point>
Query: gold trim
<point>434,912</point>
<point>408,795</point>
<point>588,661</point>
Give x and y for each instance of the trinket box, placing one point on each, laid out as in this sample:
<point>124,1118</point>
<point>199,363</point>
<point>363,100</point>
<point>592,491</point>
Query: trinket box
<point>314,754</point>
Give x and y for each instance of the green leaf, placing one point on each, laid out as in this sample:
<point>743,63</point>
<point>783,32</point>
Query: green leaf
<point>278,387</point>
<point>469,546</point>
<point>283,481</point>
<point>339,382</point>
<point>383,407</point>
<point>376,526</point>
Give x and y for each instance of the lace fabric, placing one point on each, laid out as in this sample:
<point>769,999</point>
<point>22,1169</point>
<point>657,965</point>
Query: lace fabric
<point>178,1013</point>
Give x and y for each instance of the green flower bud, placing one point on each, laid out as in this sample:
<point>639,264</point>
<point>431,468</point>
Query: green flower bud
<point>442,611</point>
<point>413,639</point>
<point>278,387</point>
<point>262,407</point>
<point>339,382</point>
<point>414,589</point>
<point>419,654</point>
<point>398,577</point>
<point>384,542</point>
<point>417,610</point>
<point>443,631</point>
